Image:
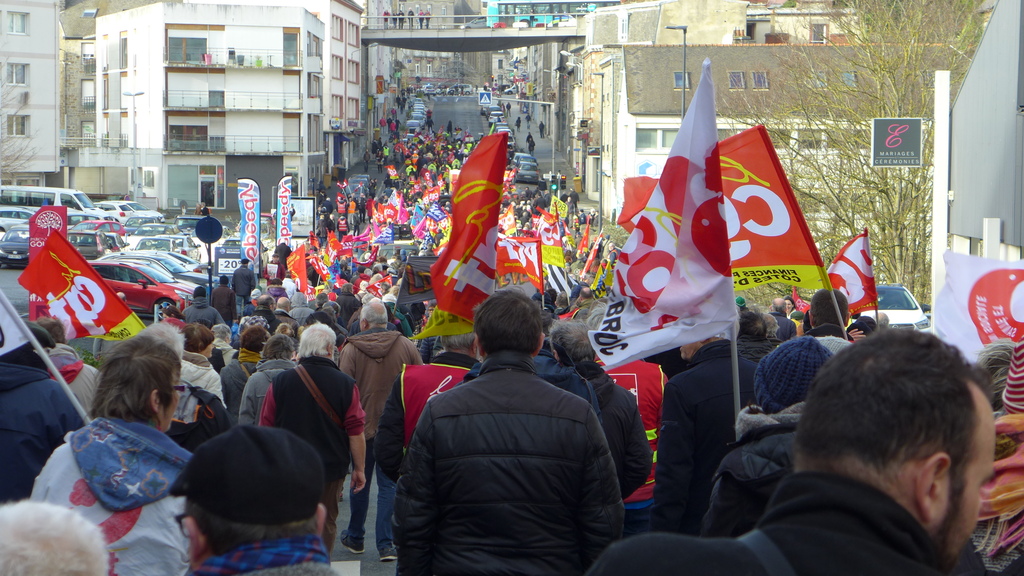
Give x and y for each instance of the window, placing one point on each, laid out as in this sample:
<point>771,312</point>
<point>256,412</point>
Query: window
<point>88,94</point>
<point>353,108</point>
<point>17,74</point>
<point>313,86</point>
<point>737,80</point>
<point>812,139</point>
<point>819,33</point>
<point>850,79</point>
<point>818,80</point>
<point>430,70</point>
<point>189,50</point>
<point>336,67</point>
<point>291,49</point>
<point>89,128</point>
<point>336,24</point>
<point>646,138</point>
<point>678,83</point>
<point>760,80</point>
<point>17,125</point>
<point>106,92</point>
<point>124,52</point>
<point>353,72</point>
<point>17,22</point>
<point>668,138</point>
<point>314,46</point>
<point>336,106</point>
<point>417,68</point>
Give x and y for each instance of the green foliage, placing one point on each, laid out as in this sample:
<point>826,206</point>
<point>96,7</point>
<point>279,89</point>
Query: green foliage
<point>88,358</point>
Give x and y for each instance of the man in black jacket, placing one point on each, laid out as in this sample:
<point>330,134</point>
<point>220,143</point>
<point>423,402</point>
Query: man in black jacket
<point>620,416</point>
<point>506,473</point>
<point>696,427</point>
<point>891,452</point>
<point>243,282</point>
<point>787,329</point>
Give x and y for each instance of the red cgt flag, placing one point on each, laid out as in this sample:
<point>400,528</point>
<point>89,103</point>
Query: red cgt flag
<point>852,273</point>
<point>297,266</point>
<point>520,256</point>
<point>464,273</point>
<point>76,294</point>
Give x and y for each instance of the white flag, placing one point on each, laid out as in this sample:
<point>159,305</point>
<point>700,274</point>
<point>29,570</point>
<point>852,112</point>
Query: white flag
<point>981,302</point>
<point>675,272</point>
<point>12,329</point>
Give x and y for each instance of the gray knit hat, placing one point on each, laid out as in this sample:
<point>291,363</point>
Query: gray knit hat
<point>784,377</point>
<point>833,344</point>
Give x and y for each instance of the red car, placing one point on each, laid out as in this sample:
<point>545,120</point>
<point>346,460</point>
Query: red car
<point>104,226</point>
<point>143,286</point>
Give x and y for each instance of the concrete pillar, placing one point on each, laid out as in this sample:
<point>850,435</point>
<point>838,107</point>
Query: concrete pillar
<point>991,237</point>
<point>940,181</point>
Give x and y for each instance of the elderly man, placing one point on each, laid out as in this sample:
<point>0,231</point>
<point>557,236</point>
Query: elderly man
<point>321,404</point>
<point>375,357</point>
<point>893,447</point>
<point>284,306</point>
<point>506,474</point>
<point>42,539</point>
<point>265,306</point>
<point>252,505</point>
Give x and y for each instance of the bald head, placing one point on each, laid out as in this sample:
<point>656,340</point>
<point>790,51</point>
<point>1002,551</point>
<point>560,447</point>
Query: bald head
<point>284,303</point>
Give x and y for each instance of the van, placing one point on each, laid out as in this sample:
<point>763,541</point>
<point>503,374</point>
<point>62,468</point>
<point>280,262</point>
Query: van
<point>37,196</point>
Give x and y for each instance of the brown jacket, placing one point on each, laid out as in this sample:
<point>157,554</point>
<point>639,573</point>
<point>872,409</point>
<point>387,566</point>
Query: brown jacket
<point>375,358</point>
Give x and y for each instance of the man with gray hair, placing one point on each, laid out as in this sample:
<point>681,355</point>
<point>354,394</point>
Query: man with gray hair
<point>42,539</point>
<point>375,357</point>
<point>265,305</point>
<point>321,405</point>
<point>284,306</point>
<point>787,329</point>
<point>620,416</point>
<point>410,393</point>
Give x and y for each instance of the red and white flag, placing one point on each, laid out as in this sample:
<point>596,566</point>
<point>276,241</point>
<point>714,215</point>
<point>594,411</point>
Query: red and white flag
<point>674,272</point>
<point>520,256</point>
<point>853,274</point>
<point>978,303</point>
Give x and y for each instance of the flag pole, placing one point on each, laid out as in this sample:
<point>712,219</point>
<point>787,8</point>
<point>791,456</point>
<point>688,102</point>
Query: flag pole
<point>735,369</point>
<point>11,312</point>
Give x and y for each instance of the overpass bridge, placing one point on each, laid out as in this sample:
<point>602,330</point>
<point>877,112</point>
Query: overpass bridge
<point>463,38</point>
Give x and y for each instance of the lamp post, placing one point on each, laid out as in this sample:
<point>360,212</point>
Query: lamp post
<point>135,143</point>
<point>682,92</point>
<point>600,179</point>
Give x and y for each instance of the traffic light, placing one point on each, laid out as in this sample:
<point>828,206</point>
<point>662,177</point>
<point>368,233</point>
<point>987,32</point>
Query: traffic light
<point>562,182</point>
<point>554,184</point>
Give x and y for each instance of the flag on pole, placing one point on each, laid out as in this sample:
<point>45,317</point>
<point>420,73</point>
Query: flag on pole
<point>976,304</point>
<point>674,273</point>
<point>464,274</point>
<point>12,335</point>
<point>769,241</point>
<point>284,211</point>
<point>637,192</point>
<point>550,239</point>
<point>852,274</point>
<point>799,303</point>
<point>557,278</point>
<point>520,256</point>
<point>76,295</point>
<point>584,241</point>
<point>297,266</point>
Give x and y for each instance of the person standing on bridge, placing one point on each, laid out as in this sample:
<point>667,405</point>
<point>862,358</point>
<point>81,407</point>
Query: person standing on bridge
<point>399,20</point>
<point>386,15</point>
<point>426,18</point>
<point>412,19</point>
<point>420,15</point>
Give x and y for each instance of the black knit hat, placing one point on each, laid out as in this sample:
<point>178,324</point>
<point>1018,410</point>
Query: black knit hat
<point>254,475</point>
<point>784,377</point>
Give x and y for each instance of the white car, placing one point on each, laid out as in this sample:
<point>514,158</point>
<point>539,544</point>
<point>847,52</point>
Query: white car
<point>123,210</point>
<point>11,215</point>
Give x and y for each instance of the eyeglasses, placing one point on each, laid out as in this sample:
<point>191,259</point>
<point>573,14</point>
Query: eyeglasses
<point>181,526</point>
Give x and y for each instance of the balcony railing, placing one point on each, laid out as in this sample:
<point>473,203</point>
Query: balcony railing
<point>89,102</point>
<point>234,58</point>
<point>95,141</point>
<point>88,65</point>
<point>220,99</point>
<point>234,144</point>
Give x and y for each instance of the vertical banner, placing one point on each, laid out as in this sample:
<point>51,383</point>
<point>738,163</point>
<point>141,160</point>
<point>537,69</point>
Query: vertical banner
<point>284,209</point>
<point>249,230</point>
<point>45,221</point>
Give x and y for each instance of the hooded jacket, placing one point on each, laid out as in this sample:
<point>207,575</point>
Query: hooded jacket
<point>200,310</point>
<point>256,386</point>
<point>197,371</point>
<point>81,377</point>
<point>233,379</point>
<point>118,475</point>
<point>375,357</point>
<point>35,414</point>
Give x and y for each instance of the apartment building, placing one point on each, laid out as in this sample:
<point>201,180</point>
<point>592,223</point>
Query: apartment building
<point>205,94</point>
<point>28,92</point>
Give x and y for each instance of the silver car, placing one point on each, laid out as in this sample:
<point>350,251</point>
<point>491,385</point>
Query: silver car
<point>13,215</point>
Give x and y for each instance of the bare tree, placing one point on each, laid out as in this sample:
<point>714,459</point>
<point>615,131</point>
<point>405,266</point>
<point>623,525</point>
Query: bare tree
<point>819,110</point>
<point>15,150</point>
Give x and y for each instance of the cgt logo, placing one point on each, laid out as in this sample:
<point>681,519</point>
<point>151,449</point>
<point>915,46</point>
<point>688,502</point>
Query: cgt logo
<point>754,212</point>
<point>991,305</point>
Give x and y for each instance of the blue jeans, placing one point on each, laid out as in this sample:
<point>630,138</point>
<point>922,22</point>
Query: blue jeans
<point>360,503</point>
<point>240,302</point>
<point>637,521</point>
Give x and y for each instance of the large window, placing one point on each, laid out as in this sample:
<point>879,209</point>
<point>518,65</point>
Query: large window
<point>313,86</point>
<point>314,45</point>
<point>188,50</point>
<point>17,74</point>
<point>17,125</point>
<point>336,67</point>
<point>819,33</point>
<point>211,186</point>
<point>291,49</point>
<point>646,138</point>
<point>737,80</point>
<point>760,80</point>
<point>678,83</point>
<point>17,22</point>
<point>124,52</point>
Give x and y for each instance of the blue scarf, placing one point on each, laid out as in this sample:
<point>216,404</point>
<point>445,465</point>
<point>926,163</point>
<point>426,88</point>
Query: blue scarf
<point>263,555</point>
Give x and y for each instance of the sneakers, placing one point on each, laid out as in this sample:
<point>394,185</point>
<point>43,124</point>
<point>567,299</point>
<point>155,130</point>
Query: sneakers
<point>389,554</point>
<point>350,544</point>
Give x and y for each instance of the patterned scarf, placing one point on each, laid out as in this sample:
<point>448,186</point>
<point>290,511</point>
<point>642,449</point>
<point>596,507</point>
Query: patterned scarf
<point>1002,498</point>
<point>265,555</point>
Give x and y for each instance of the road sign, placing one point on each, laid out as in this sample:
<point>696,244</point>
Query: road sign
<point>485,98</point>
<point>209,230</point>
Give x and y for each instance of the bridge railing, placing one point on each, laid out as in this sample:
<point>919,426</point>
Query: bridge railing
<point>470,22</point>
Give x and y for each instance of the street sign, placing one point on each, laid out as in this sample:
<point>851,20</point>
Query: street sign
<point>225,262</point>
<point>896,142</point>
<point>485,98</point>
<point>209,230</point>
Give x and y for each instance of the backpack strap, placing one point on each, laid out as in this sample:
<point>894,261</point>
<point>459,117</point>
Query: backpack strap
<point>768,554</point>
<point>318,396</point>
<point>244,369</point>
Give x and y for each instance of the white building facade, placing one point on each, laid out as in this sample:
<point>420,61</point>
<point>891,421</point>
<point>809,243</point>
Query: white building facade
<point>29,148</point>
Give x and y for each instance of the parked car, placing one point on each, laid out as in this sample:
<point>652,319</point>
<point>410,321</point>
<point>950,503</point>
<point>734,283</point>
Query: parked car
<point>180,244</point>
<point>14,247</point>
<point>102,226</point>
<point>902,308</point>
<point>134,222</point>
<point>528,173</point>
<point>155,230</point>
<point>521,157</point>
<point>162,263</point>
<point>115,242</point>
<point>14,215</point>
<point>143,286</point>
<point>187,224</point>
<point>91,244</point>
<point>122,210</point>
<point>186,261</point>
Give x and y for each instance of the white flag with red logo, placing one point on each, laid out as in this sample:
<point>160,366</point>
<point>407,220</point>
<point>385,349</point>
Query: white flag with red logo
<point>853,274</point>
<point>674,271</point>
<point>977,305</point>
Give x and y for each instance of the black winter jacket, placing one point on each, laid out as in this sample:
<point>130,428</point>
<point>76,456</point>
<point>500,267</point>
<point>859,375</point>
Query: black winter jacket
<point>696,430</point>
<point>623,428</point>
<point>754,349</point>
<point>823,525</point>
<point>506,474</point>
<point>787,330</point>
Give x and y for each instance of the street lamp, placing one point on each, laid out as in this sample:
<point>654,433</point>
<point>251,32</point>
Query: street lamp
<point>601,172</point>
<point>135,143</point>
<point>682,93</point>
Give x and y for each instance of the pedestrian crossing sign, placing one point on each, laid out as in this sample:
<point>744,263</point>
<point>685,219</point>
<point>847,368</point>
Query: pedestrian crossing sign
<point>485,98</point>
